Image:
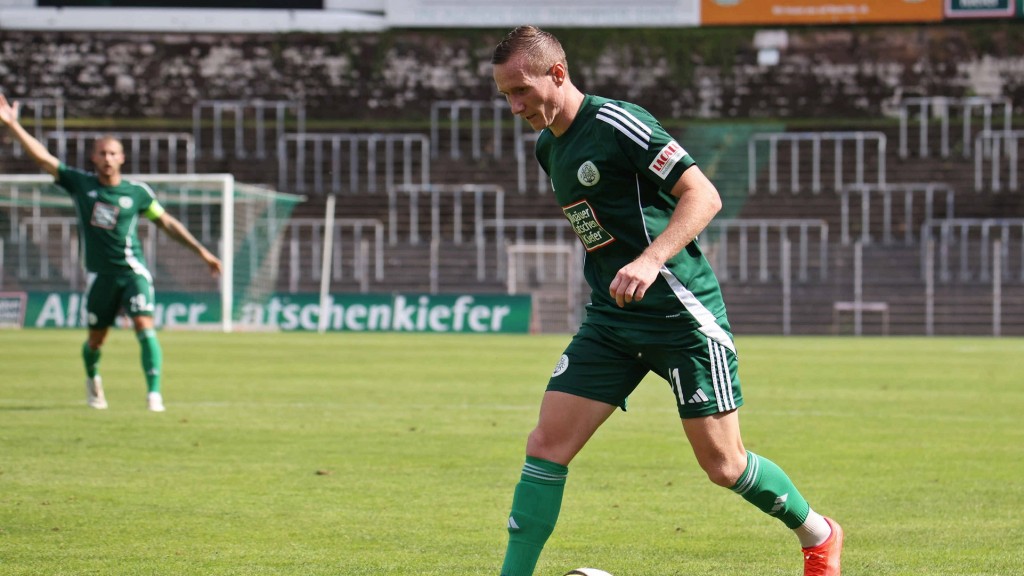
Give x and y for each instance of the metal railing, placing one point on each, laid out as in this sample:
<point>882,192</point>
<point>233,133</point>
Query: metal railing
<point>521,231</point>
<point>248,117</point>
<point>478,192</point>
<point>352,163</point>
<point>940,106</point>
<point>529,270</point>
<point>305,245</point>
<point>34,114</point>
<point>929,192</point>
<point>149,152</point>
<point>800,140</point>
<point>964,247</point>
<point>41,232</point>
<point>999,144</point>
<point>721,234</point>
<point>452,110</point>
<point>525,159</point>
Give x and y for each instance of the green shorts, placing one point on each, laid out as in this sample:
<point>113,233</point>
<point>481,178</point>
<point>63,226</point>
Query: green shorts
<point>606,363</point>
<point>107,294</point>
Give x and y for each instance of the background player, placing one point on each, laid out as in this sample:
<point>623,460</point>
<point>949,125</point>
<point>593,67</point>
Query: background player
<point>637,201</point>
<point>108,209</point>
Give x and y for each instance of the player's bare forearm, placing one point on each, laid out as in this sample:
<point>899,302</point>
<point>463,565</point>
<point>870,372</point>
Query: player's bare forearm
<point>698,202</point>
<point>176,230</point>
<point>693,213</point>
<point>632,280</point>
<point>35,149</point>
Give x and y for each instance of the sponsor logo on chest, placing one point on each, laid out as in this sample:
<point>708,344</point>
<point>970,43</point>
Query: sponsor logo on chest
<point>104,216</point>
<point>584,223</point>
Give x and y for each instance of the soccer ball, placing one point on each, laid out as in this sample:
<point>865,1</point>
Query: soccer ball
<point>587,572</point>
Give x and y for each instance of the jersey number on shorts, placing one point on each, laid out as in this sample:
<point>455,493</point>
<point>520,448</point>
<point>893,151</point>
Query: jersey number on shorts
<point>138,303</point>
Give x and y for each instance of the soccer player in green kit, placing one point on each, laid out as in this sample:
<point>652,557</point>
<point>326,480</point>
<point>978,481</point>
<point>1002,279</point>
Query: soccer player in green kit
<point>108,210</point>
<point>637,201</point>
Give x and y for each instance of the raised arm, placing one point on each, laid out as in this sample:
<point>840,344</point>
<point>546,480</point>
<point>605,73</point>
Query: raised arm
<point>9,117</point>
<point>175,229</point>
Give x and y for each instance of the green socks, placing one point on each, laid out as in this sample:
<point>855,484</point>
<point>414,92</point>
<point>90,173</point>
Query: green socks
<point>91,358</point>
<point>535,508</point>
<point>538,500</point>
<point>766,486</point>
<point>152,358</point>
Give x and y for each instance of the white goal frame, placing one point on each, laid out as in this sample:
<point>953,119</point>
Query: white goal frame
<point>571,254</point>
<point>223,185</point>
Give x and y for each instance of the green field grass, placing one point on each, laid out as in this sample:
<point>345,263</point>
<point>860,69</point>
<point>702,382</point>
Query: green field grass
<point>396,454</point>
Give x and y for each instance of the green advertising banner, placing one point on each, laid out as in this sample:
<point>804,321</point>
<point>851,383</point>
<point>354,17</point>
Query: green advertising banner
<point>462,313</point>
<point>981,8</point>
<point>458,313</point>
<point>67,310</point>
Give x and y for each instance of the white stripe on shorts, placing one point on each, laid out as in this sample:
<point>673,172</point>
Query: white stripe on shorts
<point>721,376</point>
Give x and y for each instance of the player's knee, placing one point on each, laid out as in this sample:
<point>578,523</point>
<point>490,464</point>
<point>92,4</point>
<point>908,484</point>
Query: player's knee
<point>722,477</point>
<point>723,470</point>
<point>537,444</point>
<point>547,446</point>
<point>96,339</point>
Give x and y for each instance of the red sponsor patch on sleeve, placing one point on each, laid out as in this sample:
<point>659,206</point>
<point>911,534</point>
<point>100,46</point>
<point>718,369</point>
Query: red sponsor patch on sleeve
<point>666,159</point>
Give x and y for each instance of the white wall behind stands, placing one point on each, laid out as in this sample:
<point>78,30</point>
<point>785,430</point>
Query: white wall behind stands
<point>357,15</point>
<point>337,15</point>
<point>560,13</point>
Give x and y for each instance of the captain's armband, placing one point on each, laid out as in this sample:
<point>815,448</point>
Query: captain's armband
<point>155,210</point>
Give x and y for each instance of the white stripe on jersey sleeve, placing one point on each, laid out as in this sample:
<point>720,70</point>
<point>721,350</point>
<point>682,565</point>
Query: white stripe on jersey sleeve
<point>626,123</point>
<point>625,114</point>
<point>144,186</point>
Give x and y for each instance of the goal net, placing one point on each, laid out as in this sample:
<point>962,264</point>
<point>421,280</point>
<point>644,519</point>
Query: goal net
<point>41,274</point>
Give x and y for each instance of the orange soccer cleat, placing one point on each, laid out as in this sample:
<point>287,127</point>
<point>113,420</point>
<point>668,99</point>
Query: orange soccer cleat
<point>823,559</point>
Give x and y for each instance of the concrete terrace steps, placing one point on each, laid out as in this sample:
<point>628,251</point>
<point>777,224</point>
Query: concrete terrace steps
<point>891,275</point>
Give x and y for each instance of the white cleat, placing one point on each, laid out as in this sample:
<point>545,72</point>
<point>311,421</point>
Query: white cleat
<point>94,393</point>
<point>155,401</point>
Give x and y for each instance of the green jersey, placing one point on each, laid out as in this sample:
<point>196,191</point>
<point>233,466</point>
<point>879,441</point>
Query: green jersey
<point>612,172</point>
<point>108,218</point>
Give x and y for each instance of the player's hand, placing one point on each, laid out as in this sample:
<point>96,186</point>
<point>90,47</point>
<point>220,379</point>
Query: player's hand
<point>213,262</point>
<point>632,280</point>
<point>8,113</point>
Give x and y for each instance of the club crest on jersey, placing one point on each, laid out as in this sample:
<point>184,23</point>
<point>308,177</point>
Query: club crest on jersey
<point>125,202</point>
<point>588,174</point>
<point>666,159</point>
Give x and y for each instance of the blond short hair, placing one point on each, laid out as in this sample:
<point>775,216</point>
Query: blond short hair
<point>540,49</point>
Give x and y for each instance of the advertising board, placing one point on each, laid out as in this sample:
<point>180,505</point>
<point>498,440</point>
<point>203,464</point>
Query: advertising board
<point>440,313</point>
<point>788,12</point>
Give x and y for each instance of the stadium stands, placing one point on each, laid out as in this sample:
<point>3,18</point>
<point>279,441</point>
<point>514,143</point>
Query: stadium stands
<point>870,197</point>
<point>426,210</point>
